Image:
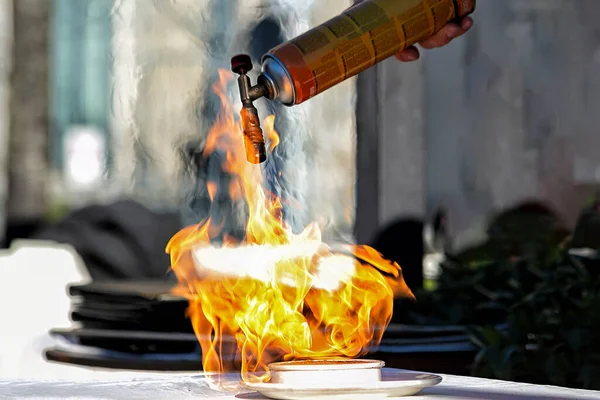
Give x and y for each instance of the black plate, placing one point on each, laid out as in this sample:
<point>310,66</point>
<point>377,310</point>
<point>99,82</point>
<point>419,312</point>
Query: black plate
<point>132,342</point>
<point>126,291</point>
<point>170,362</point>
<point>141,306</point>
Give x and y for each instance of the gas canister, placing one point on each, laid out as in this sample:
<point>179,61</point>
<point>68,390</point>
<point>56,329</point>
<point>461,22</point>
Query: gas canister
<point>339,49</point>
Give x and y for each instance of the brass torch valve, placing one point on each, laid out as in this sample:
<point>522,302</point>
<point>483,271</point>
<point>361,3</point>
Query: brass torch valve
<point>254,140</point>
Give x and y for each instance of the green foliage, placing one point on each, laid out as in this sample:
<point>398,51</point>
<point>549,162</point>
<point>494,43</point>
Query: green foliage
<point>547,293</point>
<point>551,327</point>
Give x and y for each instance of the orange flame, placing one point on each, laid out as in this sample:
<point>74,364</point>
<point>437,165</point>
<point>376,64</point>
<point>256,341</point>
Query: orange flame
<point>276,295</point>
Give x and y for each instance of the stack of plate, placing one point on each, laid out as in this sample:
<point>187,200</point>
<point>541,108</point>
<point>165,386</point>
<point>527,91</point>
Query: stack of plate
<point>436,349</point>
<point>128,325</point>
<point>147,306</point>
<point>142,326</point>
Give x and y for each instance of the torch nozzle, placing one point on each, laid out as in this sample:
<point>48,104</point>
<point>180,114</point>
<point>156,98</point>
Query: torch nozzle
<point>254,141</point>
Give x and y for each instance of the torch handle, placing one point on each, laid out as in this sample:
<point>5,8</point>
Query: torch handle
<point>254,140</point>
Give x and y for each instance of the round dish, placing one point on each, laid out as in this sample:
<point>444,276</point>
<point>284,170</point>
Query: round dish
<point>326,372</point>
<point>393,384</point>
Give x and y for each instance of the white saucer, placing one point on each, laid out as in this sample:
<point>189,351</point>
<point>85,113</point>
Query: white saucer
<point>394,383</point>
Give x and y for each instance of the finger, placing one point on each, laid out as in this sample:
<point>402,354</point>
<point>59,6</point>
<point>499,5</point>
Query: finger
<point>466,24</point>
<point>443,37</point>
<point>409,54</point>
<point>448,33</point>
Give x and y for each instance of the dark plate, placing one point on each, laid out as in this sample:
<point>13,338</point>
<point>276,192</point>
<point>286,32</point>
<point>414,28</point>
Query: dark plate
<point>181,325</point>
<point>167,312</point>
<point>114,360</point>
<point>129,305</point>
<point>131,342</point>
<point>108,315</point>
<point>398,331</point>
<point>108,305</point>
<point>127,291</point>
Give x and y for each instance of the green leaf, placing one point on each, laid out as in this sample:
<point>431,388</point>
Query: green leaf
<point>589,377</point>
<point>550,298</point>
<point>556,367</point>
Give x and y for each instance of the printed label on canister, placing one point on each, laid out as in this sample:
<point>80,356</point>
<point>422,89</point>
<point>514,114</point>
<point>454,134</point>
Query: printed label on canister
<point>359,38</point>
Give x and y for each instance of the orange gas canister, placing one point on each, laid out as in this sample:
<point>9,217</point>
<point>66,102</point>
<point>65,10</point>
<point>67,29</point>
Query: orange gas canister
<point>342,47</point>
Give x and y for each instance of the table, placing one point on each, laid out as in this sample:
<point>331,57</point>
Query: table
<point>196,387</point>
<point>33,300</point>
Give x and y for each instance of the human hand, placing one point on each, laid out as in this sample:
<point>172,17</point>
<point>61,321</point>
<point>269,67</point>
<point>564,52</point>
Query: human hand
<point>447,34</point>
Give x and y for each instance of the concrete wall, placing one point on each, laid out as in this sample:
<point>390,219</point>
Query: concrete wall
<point>6,41</point>
<point>28,150</point>
<point>390,146</point>
<point>520,117</point>
<point>509,112</point>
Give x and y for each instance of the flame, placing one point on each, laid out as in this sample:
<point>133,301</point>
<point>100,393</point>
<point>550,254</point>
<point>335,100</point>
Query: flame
<point>271,133</point>
<point>275,295</point>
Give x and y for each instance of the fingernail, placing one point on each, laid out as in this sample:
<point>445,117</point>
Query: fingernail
<point>452,31</point>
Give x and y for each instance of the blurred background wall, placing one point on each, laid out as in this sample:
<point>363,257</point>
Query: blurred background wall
<point>25,149</point>
<point>112,98</point>
<point>520,119</point>
<point>29,111</point>
<point>81,85</point>
<point>508,113</point>
<point>6,41</point>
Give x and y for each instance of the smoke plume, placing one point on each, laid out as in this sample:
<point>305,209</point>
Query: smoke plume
<point>167,56</point>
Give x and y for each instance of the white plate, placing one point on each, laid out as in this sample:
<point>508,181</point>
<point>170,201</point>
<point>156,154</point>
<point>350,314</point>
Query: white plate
<point>394,383</point>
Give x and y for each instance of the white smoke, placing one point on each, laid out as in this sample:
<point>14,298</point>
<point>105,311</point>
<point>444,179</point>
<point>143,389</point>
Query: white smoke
<point>167,53</point>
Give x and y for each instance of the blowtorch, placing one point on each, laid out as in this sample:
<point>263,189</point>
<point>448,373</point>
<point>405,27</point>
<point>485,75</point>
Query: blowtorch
<point>339,49</point>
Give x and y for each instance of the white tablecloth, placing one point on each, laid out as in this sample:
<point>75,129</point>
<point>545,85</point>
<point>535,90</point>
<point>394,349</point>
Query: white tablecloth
<point>33,299</point>
<point>196,387</point>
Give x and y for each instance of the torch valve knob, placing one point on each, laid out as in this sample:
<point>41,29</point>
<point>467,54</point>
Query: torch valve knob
<point>241,64</point>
